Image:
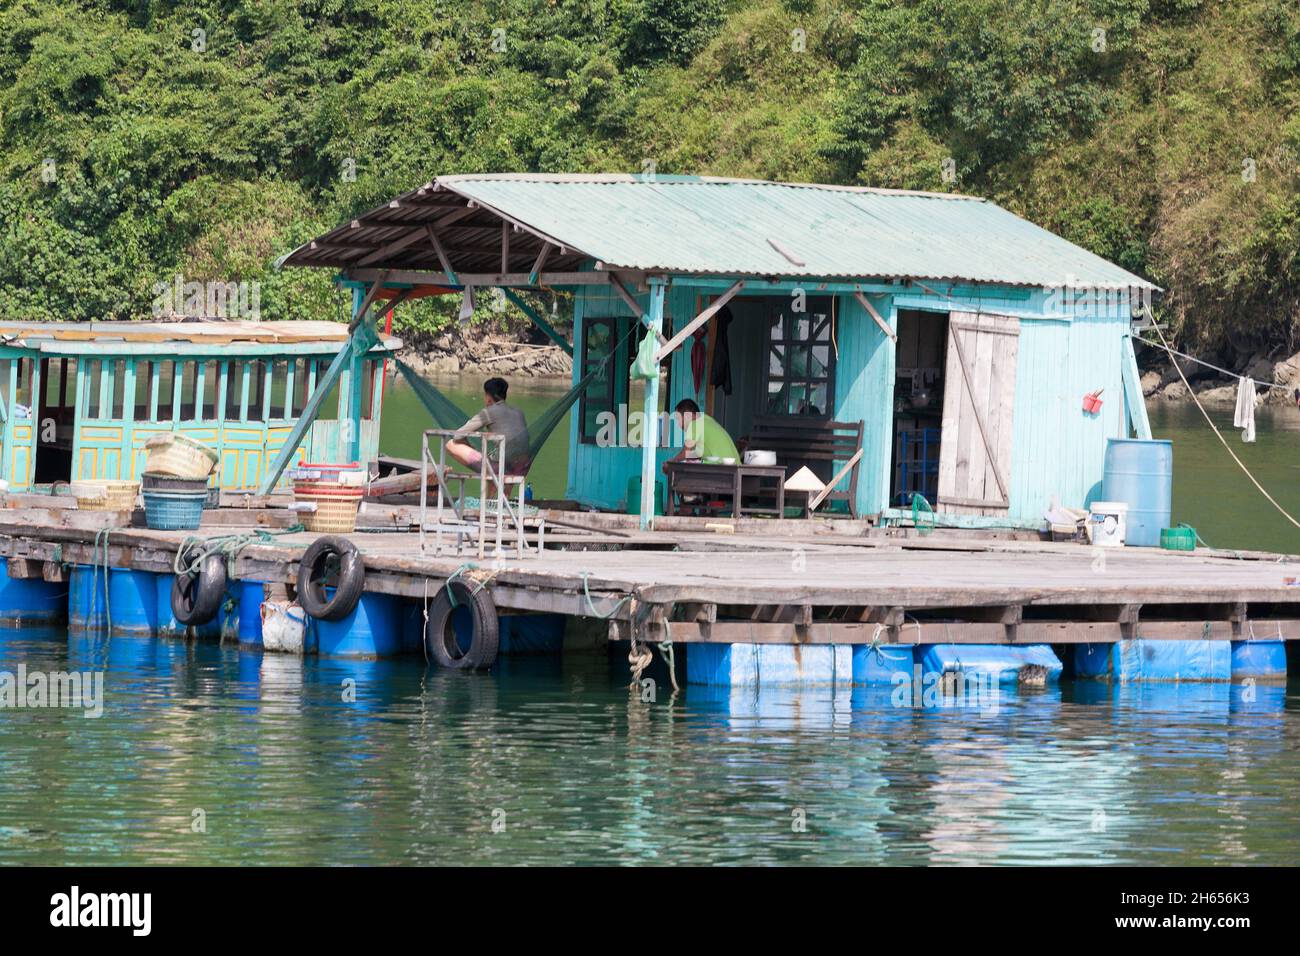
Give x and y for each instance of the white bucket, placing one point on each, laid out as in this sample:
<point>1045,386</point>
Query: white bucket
<point>284,625</point>
<point>1107,521</point>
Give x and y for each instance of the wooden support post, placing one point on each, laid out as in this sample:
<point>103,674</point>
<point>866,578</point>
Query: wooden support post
<point>360,334</point>
<point>650,419</point>
<point>24,568</point>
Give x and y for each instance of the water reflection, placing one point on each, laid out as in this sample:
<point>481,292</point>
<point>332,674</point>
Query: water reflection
<point>554,760</point>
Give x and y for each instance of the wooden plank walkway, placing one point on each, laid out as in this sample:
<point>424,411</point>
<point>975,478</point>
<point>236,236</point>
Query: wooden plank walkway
<point>802,585</point>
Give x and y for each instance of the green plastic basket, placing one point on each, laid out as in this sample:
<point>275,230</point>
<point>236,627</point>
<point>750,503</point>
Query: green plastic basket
<point>1182,538</point>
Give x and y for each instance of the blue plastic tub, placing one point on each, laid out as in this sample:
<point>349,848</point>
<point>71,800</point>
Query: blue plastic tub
<point>1140,473</point>
<point>173,510</point>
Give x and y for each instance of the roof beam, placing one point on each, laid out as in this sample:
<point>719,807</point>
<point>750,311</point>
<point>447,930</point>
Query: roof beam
<point>486,279</point>
<point>539,262</point>
<point>398,245</point>
<point>871,311</point>
<point>448,271</point>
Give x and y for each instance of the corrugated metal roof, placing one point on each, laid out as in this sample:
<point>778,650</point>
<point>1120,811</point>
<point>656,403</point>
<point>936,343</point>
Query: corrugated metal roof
<point>747,227</point>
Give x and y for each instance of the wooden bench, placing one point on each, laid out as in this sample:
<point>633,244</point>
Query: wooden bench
<point>816,443</point>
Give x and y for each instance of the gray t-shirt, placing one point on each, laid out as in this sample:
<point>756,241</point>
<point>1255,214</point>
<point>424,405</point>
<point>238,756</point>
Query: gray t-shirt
<point>502,419</point>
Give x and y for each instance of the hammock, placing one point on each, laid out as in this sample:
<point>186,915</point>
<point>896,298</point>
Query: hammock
<point>447,414</point>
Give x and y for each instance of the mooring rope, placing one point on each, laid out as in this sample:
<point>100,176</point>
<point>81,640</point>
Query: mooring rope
<point>227,545</point>
<point>1219,435</point>
<point>101,536</point>
<point>876,646</point>
<point>480,580</point>
<point>586,592</point>
<point>1224,371</point>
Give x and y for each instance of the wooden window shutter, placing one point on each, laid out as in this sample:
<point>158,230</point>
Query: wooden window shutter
<point>978,409</point>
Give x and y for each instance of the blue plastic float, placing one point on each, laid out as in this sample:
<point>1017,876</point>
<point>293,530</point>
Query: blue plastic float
<point>25,601</point>
<point>1155,660</point>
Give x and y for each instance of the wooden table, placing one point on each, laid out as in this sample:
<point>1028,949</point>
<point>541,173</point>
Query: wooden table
<point>698,478</point>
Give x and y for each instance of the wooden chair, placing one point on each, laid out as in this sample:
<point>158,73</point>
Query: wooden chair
<point>816,443</point>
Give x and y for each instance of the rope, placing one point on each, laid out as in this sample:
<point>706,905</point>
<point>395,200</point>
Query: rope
<point>227,545</point>
<point>639,658</point>
<point>586,593</point>
<point>876,646</point>
<point>1193,358</point>
<point>1219,435</point>
<point>480,581</point>
<point>101,536</point>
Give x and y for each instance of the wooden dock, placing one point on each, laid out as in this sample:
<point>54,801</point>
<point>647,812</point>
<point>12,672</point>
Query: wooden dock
<point>790,582</point>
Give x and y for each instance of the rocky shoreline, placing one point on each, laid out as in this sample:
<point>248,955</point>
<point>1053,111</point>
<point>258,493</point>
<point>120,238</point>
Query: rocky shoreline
<point>477,351</point>
<point>1212,387</point>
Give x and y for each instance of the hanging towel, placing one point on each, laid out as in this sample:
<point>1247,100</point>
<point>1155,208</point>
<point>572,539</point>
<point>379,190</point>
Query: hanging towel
<point>720,374</point>
<point>1244,417</point>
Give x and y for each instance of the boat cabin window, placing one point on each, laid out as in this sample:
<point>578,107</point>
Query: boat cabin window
<point>304,381</point>
<point>211,389</point>
<point>118,410</point>
<point>276,377</point>
<point>92,386</point>
<point>166,397</point>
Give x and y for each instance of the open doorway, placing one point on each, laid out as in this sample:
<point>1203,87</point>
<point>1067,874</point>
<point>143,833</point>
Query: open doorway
<point>918,405</point>
<point>55,420</point>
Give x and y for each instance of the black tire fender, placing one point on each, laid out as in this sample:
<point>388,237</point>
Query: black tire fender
<point>197,597</point>
<point>440,637</point>
<point>312,571</point>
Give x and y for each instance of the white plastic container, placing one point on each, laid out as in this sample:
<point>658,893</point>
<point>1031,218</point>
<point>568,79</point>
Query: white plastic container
<point>284,626</point>
<point>1107,523</point>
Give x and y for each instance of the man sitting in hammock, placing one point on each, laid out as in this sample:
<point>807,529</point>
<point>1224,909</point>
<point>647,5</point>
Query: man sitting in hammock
<point>498,418</point>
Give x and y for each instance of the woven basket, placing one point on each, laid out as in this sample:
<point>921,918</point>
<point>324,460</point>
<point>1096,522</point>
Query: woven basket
<point>105,495</point>
<point>334,514</point>
<point>179,456</point>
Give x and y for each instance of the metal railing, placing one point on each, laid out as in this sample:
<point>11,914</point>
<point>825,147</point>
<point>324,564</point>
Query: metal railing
<point>464,523</point>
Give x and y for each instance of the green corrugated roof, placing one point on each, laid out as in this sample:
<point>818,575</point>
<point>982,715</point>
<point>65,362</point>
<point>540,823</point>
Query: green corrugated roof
<point>742,227</point>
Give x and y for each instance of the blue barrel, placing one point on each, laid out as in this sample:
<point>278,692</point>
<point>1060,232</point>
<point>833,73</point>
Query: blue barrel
<point>130,597</point>
<point>373,629</point>
<point>26,601</point>
<point>1140,473</point>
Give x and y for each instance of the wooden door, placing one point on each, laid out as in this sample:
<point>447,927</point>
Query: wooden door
<point>978,410</point>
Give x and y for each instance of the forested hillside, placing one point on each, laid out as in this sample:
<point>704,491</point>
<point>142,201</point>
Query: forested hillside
<point>143,139</point>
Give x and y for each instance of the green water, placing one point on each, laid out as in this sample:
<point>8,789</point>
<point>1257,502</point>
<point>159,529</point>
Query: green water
<point>1210,491</point>
<point>208,754</point>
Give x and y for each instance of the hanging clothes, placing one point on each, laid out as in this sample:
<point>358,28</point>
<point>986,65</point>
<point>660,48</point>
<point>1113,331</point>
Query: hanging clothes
<point>1244,416</point>
<point>699,352</point>
<point>720,374</point>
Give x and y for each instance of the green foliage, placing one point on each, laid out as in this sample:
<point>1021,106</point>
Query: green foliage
<point>133,148</point>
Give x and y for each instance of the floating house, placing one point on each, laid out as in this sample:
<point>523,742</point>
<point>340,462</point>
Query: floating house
<point>79,400</point>
<point>986,360</point>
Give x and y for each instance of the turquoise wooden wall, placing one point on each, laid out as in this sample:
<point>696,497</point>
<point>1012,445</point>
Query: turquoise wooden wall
<point>1057,450</point>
